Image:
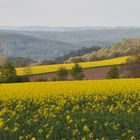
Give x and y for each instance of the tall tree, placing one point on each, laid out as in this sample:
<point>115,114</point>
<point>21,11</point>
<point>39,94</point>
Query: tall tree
<point>8,73</point>
<point>77,72</point>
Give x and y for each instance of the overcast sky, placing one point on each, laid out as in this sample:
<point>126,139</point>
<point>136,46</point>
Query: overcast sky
<point>70,12</point>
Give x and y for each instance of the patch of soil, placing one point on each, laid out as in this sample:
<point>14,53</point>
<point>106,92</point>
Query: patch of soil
<point>91,73</point>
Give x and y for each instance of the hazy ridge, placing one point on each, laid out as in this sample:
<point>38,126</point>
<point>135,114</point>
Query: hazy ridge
<point>41,43</point>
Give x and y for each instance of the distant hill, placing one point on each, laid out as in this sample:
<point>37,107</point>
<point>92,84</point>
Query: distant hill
<point>19,45</point>
<point>79,52</point>
<point>17,61</point>
<point>21,61</point>
<point>62,28</point>
<point>47,43</point>
<point>123,48</point>
<point>88,37</point>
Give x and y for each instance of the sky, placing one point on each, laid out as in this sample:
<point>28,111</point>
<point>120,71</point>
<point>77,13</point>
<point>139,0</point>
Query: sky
<point>69,13</point>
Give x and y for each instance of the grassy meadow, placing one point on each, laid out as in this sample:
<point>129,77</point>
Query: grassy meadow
<point>72,110</point>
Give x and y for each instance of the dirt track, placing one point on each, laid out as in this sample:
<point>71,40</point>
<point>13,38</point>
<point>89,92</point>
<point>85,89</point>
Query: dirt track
<point>92,73</point>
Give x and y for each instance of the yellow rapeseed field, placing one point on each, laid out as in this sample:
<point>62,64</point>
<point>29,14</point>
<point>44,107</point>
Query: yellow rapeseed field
<point>72,110</point>
<point>53,68</point>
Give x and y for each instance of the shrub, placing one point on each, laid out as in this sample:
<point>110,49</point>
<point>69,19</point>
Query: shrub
<point>113,73</point>
<point>62,74</point>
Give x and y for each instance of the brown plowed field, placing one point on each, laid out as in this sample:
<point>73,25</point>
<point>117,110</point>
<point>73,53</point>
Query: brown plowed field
<point>92,73</point>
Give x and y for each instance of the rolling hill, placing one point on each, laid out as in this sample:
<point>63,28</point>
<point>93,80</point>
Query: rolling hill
<point>53,68</point>
<point>44,43</point>
<point>88,37</point>
<point>125,47</point>
<point>16,44</point>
